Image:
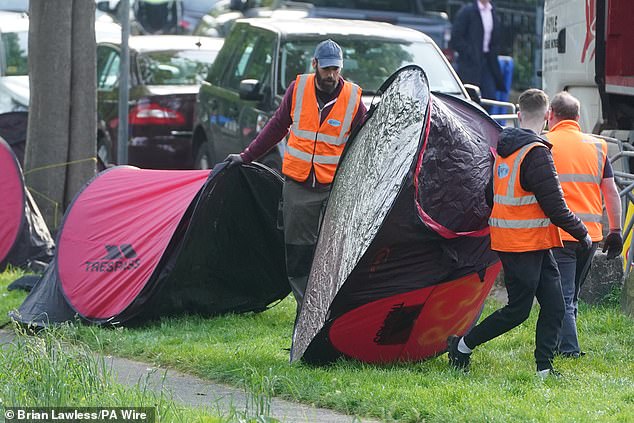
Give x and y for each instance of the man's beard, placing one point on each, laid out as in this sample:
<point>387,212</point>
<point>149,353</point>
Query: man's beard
<point>325,84</point>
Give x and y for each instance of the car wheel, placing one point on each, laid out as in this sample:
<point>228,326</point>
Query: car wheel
<point>204,157</point>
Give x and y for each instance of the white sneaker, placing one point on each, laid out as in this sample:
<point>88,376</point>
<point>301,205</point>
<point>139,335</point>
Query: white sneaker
<point>543,374</point>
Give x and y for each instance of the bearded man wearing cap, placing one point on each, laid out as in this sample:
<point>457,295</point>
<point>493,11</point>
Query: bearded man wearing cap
<point>318,112</point>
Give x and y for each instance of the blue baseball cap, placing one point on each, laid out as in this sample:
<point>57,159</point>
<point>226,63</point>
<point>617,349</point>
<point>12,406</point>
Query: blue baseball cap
<point>328,53</point>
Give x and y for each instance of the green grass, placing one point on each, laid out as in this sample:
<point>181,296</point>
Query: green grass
<point>250,351</point>
<point>45,371</point>
<point>9,300</point>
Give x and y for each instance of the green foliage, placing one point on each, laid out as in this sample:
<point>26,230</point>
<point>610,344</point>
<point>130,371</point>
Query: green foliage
<point>613,298</point>
<point>42,370</point>
<point>250,351</point>
<point>9,300</point>
<point>261,388</point>
<point>16,58</point>
<point>53,368</point>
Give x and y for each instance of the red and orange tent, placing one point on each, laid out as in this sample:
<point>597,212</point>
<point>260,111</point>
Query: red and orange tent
<point>403,258</point>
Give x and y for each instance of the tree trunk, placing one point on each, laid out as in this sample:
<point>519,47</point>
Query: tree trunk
<point>61,147</point>
<point>83,114</point>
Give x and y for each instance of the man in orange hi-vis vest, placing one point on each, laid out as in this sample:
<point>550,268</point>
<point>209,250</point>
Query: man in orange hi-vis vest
<point>318,111</point>
<point>528,206</point>
<point>585,175</point>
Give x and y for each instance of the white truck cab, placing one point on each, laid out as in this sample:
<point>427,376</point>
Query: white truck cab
<point>586,48</point>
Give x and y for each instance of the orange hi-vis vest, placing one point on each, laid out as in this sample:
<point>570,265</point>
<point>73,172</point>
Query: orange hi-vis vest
<point>517,222</point>
<point>311,144</point>
<point>580,161</point>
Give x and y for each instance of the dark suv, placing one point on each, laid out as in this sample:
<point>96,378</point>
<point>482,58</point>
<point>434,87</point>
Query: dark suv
<point>407,13</point>
<point>260,57</point>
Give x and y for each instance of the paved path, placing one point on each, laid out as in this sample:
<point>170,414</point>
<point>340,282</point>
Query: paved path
<point>196,392</point>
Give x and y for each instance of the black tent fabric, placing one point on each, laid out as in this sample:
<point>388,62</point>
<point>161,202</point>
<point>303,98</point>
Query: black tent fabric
<point>25,240</point>
<point>25,283</point>
<point>45,304</point>
<point>396,273</point>
<point>13,127</point>
<point>138,244</point>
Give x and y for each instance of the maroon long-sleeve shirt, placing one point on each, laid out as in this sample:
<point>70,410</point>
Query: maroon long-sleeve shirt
<point>278,126</point>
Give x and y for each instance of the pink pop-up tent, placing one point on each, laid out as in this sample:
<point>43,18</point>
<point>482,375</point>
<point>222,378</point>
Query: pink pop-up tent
<point>138,243</point>
<point>25,241</point>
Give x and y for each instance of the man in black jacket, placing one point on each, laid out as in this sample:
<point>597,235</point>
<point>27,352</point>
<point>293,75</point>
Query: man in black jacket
<point>528,201</point>
<point>475,36</point>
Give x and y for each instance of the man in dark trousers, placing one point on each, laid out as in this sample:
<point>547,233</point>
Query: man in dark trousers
<point>475,36</point>
<point>319,110</point>
<point>587,180</point>
<point>528,206</point>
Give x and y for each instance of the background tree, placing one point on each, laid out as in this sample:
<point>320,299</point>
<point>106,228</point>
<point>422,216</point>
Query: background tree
<point>61,147</point>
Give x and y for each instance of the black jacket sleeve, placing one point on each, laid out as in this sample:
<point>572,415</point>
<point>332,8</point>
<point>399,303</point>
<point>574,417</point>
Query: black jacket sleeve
<point>459,32</point>
<point>538,175</point>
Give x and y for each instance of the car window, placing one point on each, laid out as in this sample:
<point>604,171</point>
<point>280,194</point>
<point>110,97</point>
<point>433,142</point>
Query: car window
<point>253,59</point>
<point>369,62</point>
<point>107,68</point>
<point>295,59</point>
<point>226,56</point>
<point>14,48</point>
<point>245,57</point>
<point>185,67</point>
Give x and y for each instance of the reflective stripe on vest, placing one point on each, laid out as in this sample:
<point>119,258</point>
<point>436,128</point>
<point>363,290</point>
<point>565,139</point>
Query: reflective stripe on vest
<point>580,172</point>
<point>519,224</point>
<point>517,221</point>
<point>511,199</point>
<point>584,177</point>
<point>314,142</point>
<point>316,158</point>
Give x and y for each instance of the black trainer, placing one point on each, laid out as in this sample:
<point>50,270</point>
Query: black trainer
<point>457,360</point>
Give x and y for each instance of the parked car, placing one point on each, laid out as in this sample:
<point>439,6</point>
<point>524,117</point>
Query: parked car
<point>165,73</point>
<point>407,13</point>
<point>14,67</point>
<point>23,6</point>
<point>170,17</point>
<point>193,11</point>
<point>261,57</point>
<point>146,17</point>
<point>219,20</point>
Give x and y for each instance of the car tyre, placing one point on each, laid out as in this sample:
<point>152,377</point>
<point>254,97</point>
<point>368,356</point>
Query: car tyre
<point>204,157</point>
